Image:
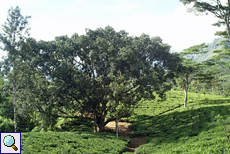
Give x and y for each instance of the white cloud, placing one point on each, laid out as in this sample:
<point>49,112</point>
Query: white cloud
<point>180,29</point>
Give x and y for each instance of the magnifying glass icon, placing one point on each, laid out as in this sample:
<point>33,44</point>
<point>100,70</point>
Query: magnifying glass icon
<point>9,141</point>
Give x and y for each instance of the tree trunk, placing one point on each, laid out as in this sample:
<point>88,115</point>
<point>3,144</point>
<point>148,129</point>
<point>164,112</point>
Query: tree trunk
<point>99,123</point>
<point>228,28</point>
<point>227,21</point>
<point>15,116</point>
<point>117,127</point>
<point>95,127</point>
<point>226,133</point>
<point>186,90</point>
<point>185,97</point>
<point>95,122</point>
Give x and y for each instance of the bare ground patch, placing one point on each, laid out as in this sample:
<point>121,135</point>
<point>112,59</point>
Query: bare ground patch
<point>125,131</point>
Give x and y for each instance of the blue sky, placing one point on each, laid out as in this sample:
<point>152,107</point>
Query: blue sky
<point>165,18</point>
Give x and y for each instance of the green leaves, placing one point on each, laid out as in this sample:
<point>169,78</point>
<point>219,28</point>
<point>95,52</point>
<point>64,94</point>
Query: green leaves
<point>222,33</point>
<point>15,32</point>
<point>219,23</point>
<point>196,49</point>
<point>188,54</point>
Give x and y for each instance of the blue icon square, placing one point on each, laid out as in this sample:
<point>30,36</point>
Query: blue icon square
<point>10,142</point>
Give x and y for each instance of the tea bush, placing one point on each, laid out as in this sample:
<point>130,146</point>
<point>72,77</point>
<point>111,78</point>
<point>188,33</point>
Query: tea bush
<point>73,142</point>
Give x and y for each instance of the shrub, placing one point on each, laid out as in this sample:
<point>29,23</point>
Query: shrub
<point>6,125</point>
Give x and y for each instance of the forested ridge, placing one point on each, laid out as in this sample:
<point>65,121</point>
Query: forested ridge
<point>75,85</point>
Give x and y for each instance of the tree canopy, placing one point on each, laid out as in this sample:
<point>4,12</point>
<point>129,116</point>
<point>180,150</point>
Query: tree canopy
<point>92,73</point>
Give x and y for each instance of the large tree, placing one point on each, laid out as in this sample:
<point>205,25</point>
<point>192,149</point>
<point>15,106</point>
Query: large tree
<point>102,73</point>
<point>15,32</point>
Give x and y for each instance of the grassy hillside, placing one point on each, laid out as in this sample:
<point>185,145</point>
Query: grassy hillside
<point>172,129</point>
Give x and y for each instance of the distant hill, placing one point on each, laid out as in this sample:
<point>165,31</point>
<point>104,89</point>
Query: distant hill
<point>210,48</point>
<point>220,70</point>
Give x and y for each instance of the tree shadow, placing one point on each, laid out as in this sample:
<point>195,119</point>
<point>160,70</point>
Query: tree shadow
<point>216,101</point>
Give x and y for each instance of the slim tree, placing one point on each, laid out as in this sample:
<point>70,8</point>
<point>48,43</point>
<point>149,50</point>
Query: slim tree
<point>189,66</point>
<point>221,10</point>
<point>15,32</point>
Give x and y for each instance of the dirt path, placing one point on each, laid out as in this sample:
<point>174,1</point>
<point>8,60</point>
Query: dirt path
<point>125,131</point>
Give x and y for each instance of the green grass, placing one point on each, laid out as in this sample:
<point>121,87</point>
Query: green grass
<point>171,128</point>
<point>72,142</point>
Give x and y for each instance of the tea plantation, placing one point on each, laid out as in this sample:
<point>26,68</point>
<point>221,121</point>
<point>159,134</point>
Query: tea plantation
<point>169,127</point>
